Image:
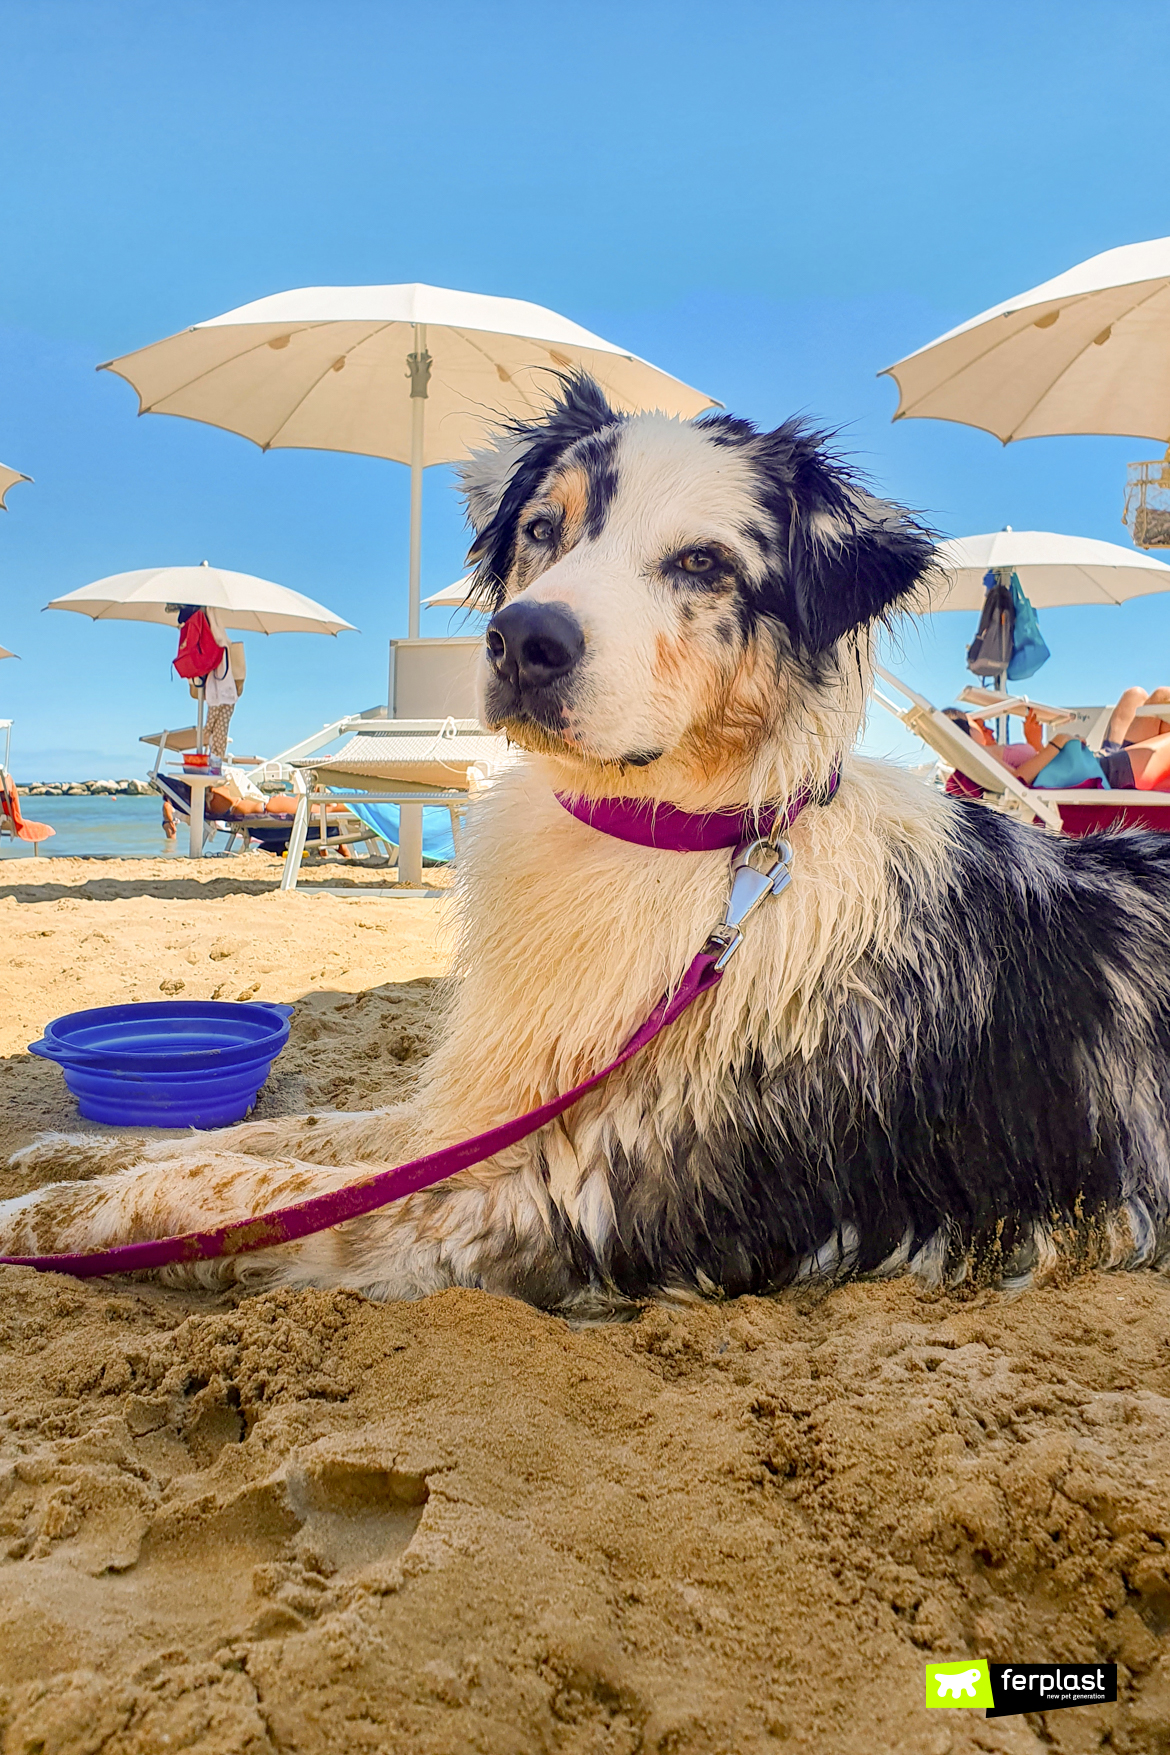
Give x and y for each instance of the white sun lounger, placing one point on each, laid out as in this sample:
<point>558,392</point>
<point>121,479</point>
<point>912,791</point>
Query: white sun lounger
<point>1073,810</point>
<point>406,762</point>
<point>1000,787</point>
<point>986,704</point>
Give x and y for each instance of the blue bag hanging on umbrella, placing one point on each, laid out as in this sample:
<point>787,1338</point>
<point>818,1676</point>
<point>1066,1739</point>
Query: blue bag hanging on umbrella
<point>1028,649</point>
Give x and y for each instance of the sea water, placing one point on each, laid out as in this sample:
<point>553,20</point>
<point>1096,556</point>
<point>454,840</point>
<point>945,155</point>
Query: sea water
<point>118,828</point>
<point>104,825</point>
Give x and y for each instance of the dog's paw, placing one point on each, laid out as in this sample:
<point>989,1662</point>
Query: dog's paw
<point>76,1157</point>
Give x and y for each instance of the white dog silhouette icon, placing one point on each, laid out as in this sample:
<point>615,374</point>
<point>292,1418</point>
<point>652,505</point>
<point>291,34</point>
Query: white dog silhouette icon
<point>958,1682</point>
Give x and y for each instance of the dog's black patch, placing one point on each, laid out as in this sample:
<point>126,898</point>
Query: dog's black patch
<point>835,557</point>
<point>580,412</point>
<point>956,1118</point>
<point>597,456</point>
<point>726,429</point>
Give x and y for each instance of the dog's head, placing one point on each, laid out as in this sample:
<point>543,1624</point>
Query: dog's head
<point>679,604</point>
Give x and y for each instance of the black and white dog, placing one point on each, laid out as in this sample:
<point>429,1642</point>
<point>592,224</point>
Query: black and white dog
<point>948,1042</point>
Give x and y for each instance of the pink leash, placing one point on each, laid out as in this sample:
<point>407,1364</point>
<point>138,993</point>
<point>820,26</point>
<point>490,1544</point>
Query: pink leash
<point>324,1211</point>
<point>749,886</point>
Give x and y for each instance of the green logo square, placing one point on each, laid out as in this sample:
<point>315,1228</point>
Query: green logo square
<point>963,1682</point>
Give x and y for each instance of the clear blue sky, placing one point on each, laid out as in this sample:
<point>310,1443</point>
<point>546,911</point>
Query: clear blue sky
<point>772,201</point>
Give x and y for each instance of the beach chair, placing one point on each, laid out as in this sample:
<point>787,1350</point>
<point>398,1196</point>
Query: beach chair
<point>410,763</point>
<point>267,834</point>
<point>13,826</point>
<point>998,785</point>
<point>1069,811</point>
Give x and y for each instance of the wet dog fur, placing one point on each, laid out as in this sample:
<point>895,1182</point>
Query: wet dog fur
<point>946,1045</point>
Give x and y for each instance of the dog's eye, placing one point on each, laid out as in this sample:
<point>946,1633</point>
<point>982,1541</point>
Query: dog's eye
<point>539,530</point>
<point>697,561</point>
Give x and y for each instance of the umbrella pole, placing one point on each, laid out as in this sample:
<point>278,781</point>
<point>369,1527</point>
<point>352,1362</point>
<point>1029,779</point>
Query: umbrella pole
<point>1002,725</point>
<point>199,721</point>
<point>419,366</point>
<point>417,410</point>
<point>410,816</point>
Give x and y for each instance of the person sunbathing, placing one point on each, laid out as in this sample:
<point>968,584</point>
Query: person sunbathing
<point>1031,759</point>
<point>280,804</point>
<point>1066,760</point>
<point>1142,762</point>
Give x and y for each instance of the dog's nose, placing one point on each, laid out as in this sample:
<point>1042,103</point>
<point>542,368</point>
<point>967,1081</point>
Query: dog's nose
<point>534,644</point>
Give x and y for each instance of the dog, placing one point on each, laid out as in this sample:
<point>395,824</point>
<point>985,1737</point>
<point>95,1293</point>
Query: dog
<point>945,1048</point>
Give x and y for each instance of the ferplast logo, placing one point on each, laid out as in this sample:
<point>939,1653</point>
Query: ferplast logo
<point>965,1683</point>
<point>1005,1690</point>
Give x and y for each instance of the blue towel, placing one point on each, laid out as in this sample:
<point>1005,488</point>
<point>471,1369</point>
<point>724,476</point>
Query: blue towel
<point>1072,767</point>
<point>438,842</point>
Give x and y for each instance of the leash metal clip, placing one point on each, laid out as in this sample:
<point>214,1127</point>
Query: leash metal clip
<point>749,886</point>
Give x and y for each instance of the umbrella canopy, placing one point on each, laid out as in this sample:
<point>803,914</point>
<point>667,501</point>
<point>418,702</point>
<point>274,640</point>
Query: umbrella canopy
<point>1088,352</point>
<point>354,368</point>
<point>1052,569</point>
<point>324,368</point>
<point>249,605</point>
<point>451,596</point>
<point>9,478</point>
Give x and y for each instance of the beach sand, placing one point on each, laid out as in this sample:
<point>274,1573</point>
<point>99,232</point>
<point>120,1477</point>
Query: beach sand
<point>305,1522</point>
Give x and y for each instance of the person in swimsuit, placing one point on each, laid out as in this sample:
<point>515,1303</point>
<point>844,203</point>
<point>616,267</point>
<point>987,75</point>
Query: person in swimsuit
<point>1142,765</point>
<point>1029,760</point>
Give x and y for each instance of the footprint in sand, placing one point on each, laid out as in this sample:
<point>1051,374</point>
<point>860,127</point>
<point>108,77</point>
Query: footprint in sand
<point>199,1553</point>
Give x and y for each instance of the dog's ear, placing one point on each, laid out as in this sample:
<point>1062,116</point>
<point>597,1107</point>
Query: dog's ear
<point>498,481</point>
<point>851,558</point>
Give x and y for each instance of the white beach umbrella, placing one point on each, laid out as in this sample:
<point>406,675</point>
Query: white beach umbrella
<point>1052,569</point>
<point>356,368</point>
<point>451,596</point>
<point>249,605</point>
<point>9,478</point>
<point>1088,352</point>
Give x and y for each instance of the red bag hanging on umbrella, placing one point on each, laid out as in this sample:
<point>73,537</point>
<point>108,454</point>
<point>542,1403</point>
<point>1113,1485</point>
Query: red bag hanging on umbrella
<point>199,651</point>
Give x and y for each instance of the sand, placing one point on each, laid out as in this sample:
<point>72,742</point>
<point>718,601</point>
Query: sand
<point>305,1522</point>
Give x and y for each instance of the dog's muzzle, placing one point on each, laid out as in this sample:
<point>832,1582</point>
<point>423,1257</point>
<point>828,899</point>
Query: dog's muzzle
<point>532,650</point>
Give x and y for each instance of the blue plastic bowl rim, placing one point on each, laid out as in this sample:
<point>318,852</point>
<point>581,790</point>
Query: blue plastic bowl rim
<point>60,1047</point>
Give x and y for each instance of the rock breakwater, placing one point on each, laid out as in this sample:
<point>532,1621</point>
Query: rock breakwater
<point>85,789</point>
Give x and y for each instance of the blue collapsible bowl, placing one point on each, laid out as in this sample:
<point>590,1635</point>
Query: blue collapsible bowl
<point>170,1063</point>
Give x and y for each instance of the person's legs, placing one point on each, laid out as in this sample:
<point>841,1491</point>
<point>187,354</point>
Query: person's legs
<point>1150,764</point>
<point>218,720</point>
<point>1156,727</point>
<point>1123,714</point>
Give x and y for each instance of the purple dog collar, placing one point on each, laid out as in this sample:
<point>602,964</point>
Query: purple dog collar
<point>669,829</point>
